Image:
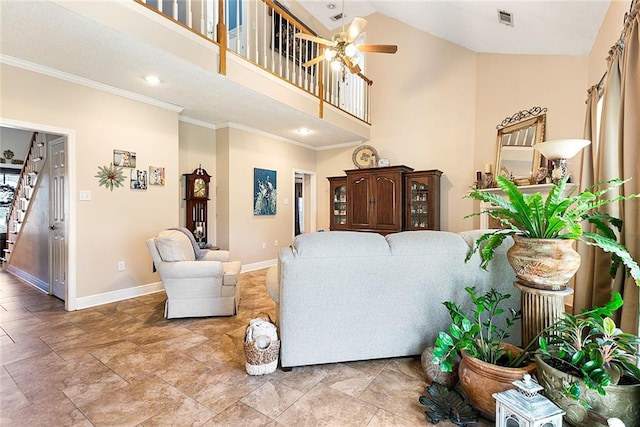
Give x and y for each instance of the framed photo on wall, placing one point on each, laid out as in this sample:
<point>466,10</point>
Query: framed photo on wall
<point>156,175</point>
<point>124,159</point>
<point>264,192</point>
<point>138,179</point>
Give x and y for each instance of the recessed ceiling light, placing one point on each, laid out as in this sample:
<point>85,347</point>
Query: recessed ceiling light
<point>152,80</point>
<point>304,131</point>
<point>331,6</point>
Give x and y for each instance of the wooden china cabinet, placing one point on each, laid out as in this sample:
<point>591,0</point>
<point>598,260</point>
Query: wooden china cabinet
<point>385,200</point>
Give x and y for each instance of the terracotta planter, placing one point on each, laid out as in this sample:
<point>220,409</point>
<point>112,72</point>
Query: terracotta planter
<point>620,401</point>
<point>480,380</point>
<point>546,264</point>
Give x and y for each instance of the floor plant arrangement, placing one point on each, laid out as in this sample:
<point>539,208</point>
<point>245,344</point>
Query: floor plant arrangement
<point>527,217</point>
<point>589,367</point>
<point>489,364</point>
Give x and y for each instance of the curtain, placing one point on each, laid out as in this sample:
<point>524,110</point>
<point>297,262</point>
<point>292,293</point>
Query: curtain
<point>617,155</point>
<point>583,295</point>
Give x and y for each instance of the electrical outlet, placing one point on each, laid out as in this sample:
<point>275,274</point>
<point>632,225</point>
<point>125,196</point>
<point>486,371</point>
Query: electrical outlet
<point>120,265</point>
<point>275,243</point>
<point>264,245</point>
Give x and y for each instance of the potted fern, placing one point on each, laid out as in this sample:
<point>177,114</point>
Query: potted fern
<point>543,229</point>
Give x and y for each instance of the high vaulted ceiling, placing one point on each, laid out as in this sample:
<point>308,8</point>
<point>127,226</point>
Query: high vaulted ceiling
<point>51,35</point>
<point>541,27</point>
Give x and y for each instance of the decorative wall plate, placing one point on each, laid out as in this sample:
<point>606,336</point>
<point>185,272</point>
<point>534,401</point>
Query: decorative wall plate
<point>365,156</point>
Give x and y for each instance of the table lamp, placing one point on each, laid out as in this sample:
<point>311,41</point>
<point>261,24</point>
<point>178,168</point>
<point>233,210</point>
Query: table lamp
<point>558,151</point>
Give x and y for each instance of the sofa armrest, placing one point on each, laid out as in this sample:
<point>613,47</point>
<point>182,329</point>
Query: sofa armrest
<point>222,256</point>
<point>191,269</point>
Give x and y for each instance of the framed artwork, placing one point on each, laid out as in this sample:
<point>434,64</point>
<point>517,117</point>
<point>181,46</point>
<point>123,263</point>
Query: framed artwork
<point>264,192</point>
<point>124,159</point>
<point>285,43</point>
<point>138,179</point>
<point>156,175</point>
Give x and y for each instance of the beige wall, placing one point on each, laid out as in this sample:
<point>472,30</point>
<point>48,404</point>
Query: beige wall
<point>607,36</point>
<point>112,226</point>
<point>246,151</point>
<point>423,107</point>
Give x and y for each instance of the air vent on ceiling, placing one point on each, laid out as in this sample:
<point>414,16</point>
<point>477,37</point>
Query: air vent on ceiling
<point>337,17</point>
<point>505,17</point>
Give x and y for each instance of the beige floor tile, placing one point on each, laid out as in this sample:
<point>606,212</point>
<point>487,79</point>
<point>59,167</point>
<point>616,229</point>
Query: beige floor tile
<point>12,398</point>
<point>240,414</point>
<point>55,410</point>
<point>348,380</point>
<point>396,393</point>
<point>383,418</point>
<point>324,406</point>
<point>134,404</point>
<point>186,412</point>
<point>13,351</point>
<point>272,398</point>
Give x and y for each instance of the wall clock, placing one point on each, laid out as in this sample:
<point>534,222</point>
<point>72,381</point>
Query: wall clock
<point>365,156</point>
<point>197,197</point>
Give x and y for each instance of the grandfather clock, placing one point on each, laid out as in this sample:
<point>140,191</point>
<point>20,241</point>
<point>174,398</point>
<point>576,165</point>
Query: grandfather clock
<point>197,196</point>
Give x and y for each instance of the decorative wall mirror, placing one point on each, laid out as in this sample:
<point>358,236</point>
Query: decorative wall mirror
<point>516,159</point>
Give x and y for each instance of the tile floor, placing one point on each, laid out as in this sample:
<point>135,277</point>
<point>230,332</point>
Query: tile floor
<point>123,364</point>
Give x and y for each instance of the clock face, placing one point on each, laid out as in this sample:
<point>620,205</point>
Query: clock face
<point>199,188</point>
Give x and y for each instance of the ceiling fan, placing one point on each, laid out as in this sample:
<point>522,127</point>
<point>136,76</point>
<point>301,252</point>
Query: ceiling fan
<point>341,49</point>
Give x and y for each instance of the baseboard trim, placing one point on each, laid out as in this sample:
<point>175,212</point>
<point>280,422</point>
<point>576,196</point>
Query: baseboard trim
<point>119,295</point>
<point>41,285</point>
<point>259,265</point>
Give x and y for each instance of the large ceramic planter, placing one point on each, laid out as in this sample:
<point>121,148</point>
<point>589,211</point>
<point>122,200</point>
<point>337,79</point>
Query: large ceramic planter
<point>620,401</point>
<point>480,380</point>
<point>546,264</point>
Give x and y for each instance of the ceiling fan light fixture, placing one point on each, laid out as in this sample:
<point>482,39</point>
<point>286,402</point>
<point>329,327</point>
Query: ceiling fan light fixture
<point>330,53</point>
<point>336,65</point>
<point>350,50</point>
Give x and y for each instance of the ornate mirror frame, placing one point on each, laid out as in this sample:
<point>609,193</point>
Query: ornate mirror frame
<point>517,134</point>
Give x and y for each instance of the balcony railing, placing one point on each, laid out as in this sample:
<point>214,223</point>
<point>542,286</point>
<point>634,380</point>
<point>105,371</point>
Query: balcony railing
<point>263,32</point>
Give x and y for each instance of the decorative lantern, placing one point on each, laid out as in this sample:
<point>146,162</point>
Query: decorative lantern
<point>525,407</point>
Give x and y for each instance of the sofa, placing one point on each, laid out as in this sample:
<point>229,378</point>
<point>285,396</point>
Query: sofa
<point>198,283</point>
<point>345,296</point>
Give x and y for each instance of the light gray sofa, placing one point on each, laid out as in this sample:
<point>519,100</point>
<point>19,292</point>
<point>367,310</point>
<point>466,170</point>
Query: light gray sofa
<point>344,296</point>
<point>195,287</point>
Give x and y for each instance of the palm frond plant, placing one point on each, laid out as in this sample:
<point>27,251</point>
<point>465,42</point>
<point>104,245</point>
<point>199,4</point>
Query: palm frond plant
<point>559,216</point>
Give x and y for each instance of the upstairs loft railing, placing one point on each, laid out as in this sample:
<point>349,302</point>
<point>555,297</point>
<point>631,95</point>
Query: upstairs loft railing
<point>263,32</point>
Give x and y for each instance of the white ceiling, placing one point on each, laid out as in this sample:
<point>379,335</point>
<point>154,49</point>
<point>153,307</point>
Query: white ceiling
<point>51,35</point>
<point>541,27</point>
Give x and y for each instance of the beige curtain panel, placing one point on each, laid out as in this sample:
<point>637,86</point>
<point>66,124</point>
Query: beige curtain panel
<point>615,154</point>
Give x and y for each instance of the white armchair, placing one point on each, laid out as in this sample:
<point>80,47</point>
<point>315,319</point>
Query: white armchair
<point>195,287</point>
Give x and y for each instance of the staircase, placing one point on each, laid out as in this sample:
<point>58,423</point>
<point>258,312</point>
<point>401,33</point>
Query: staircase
<point>25,189</point>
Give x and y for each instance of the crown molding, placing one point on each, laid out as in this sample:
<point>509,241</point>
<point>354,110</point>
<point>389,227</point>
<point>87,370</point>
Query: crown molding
<point>72,78</point>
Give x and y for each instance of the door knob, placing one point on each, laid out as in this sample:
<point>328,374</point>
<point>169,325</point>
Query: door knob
<point>52,227</point>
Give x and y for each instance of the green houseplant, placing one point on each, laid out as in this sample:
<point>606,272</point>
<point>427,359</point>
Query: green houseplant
<point>585,362</point>
<point>489,364</point>
<point>559,216</point>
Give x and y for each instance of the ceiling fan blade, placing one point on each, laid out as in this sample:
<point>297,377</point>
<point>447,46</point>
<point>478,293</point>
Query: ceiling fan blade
<point>354,68</point>
<point>313,39</point>
<point>356,27</point>
<point>314,61</point>
<point>378,48</point>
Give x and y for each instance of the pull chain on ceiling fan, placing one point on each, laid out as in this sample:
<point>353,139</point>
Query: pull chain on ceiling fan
<point>341,49</point>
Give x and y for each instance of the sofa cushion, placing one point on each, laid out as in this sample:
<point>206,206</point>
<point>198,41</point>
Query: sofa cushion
<point>174,245</point>
<point>425,243</point>
<point>231,272</point>
<point>338,244</point>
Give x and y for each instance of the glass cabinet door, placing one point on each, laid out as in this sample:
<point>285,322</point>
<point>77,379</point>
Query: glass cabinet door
<point>340,205</point>
<point>418,205</point>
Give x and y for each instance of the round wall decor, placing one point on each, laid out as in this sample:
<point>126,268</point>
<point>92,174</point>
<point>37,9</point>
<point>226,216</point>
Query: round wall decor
<point>365,156</point>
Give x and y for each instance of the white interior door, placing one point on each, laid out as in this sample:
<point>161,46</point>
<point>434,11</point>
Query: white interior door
<point>57,218</point>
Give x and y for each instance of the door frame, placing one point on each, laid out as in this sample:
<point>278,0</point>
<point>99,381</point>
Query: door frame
<point>70,303</point>
<point>312,211</point>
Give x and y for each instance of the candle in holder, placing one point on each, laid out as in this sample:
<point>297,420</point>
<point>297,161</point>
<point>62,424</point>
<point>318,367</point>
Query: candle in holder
<point>487,168</point>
